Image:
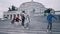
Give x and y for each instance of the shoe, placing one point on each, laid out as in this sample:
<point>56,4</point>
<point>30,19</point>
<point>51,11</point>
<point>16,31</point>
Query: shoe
<point>50,31</point>
<point>27,28</point>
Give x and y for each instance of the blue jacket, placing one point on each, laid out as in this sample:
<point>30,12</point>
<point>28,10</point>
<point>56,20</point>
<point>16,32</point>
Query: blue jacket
<point>50,16</point>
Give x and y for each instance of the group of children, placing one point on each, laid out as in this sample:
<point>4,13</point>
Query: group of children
<point>25,17</point>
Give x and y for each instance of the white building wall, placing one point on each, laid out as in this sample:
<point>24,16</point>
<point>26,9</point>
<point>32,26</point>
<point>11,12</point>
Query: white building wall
<point>11,13</point>
<point>28,7</point>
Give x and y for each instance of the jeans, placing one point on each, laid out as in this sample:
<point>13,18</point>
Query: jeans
<point>49,27</point>
<point>23,20</point>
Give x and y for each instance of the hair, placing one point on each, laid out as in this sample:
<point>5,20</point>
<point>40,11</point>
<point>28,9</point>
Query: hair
<point>23,11</point>
<point>49,10</point>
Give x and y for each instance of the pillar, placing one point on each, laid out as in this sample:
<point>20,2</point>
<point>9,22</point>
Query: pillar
<point>9,16</point>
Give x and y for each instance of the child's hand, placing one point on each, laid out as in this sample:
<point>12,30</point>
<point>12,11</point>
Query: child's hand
<point>20,20</point>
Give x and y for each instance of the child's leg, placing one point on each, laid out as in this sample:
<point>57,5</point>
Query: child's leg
<point>50,26</point>
<point>22,23</point>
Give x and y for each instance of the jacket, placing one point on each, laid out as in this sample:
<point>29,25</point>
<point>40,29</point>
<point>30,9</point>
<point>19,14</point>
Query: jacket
<point>50,16</point>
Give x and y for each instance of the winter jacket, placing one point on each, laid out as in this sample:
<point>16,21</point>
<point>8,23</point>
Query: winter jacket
<point>50,16</point>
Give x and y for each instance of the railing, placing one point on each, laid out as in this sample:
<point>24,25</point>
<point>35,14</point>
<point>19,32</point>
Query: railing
<point>57,12</point>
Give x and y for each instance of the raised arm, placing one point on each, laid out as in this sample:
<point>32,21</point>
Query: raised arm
<point>54,17</point>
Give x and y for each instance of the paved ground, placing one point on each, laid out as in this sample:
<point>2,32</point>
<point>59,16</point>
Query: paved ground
<point>37,25</point>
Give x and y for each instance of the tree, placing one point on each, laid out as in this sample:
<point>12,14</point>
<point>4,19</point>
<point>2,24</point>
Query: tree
<point>9,9</point>
<point>13,8</point>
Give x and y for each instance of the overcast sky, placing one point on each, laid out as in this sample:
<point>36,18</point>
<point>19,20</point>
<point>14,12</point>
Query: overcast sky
<point>4,4</point>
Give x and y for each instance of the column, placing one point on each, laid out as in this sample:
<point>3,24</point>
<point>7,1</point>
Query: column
<point>19,16</point>
<point>4,16</point>
<point>16,15</point>
<point>9,16</point>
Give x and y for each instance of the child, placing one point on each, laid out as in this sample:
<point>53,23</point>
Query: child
<point>49,19</point>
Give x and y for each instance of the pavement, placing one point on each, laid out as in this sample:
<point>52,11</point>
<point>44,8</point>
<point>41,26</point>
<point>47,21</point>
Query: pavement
<point>37,25</point>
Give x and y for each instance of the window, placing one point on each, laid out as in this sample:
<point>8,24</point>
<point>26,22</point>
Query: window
<point>33,11</point>
<point>17,15</point>
<point>10,16</point>
<point>7,16</point>
<point>4,16</point>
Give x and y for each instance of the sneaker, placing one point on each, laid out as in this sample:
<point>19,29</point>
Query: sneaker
<point>27,28</point>
<point>47,30</point>
<point>50,31</point>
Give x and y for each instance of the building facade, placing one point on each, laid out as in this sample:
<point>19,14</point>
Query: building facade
<point>32,8</point>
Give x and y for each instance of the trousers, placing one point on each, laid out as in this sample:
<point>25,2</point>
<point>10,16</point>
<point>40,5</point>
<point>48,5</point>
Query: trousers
<point>49,26</point>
